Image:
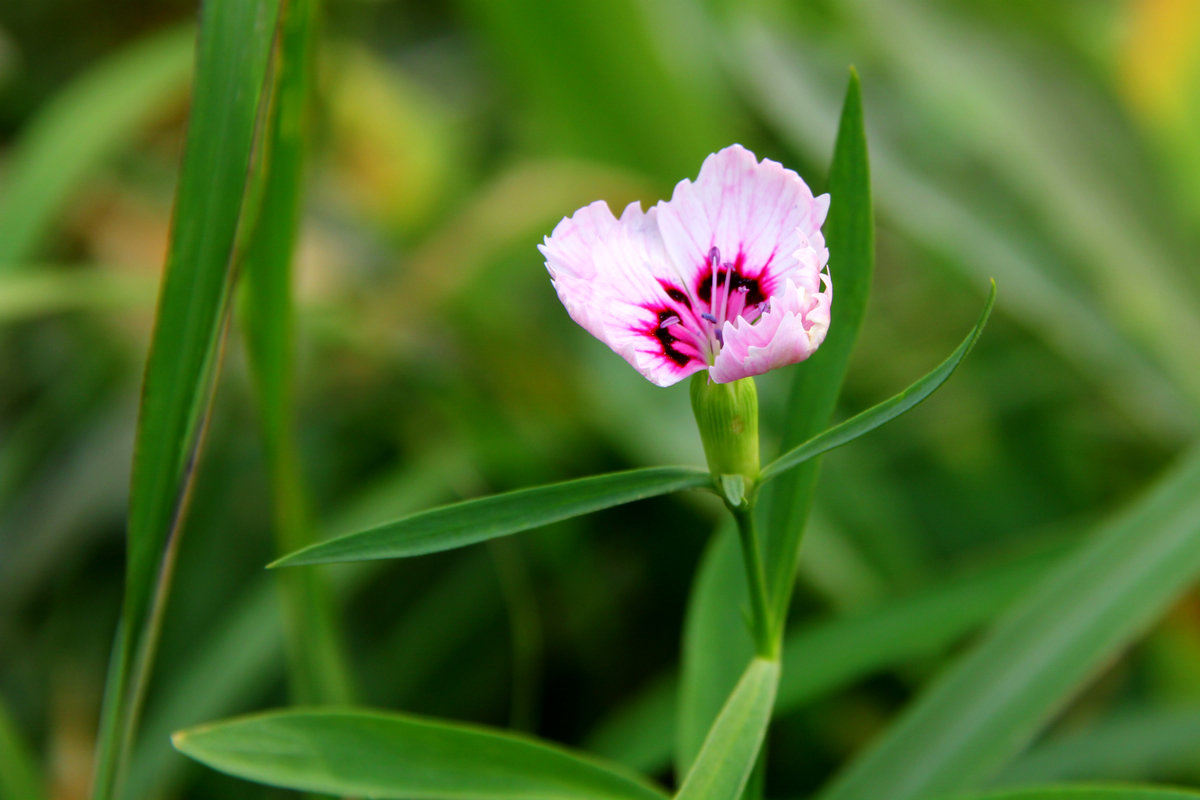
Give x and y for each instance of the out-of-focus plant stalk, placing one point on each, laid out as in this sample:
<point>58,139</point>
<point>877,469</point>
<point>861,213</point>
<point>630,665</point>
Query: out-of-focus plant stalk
<point>318,671</point>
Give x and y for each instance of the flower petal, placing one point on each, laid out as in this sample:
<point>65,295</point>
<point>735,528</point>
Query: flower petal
<point>788,332</point>
<point>614,278</point>
<point>759,215</point>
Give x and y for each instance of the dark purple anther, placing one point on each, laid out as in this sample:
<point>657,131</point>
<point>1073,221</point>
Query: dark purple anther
<point>709,317</point>
<point>714,255</point>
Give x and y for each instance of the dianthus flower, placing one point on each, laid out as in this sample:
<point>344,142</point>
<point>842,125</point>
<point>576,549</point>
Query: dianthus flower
<point>726,276</point>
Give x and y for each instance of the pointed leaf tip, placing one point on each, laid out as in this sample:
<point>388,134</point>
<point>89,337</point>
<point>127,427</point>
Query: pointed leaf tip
<point>889,409</point>
<point>480,519</point>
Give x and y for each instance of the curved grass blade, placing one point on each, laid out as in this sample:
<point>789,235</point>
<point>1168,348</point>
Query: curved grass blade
<point>889,409</point>
<point>365,753</point>
<point>998,695</point>
<point>727,758</point>
<point>1087,792</point>
<point>80,127</point>
<point>478,520</point>
<point>232,65</point>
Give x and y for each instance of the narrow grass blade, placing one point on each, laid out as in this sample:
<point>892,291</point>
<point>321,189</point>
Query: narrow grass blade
<point>1131,745</point>
<point>20,775</point>
<point>723,766</point>
<point>816,384</point>
<point>233,55</point>
<point>1087,792</point>
<point>318,671</point>
<point>994,698</point>
<point>486,518</point>
<point>851,647</point>
<point>232,60</point>
<point>716,644</point>
<point>889,409</point>
<point>364,753</point>
<point>80,127</point>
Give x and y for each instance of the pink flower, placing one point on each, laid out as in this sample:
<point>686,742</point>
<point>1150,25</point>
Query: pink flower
<point>726,276</point>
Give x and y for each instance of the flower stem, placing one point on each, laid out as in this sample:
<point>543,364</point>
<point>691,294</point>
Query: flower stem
<point>766,642</point>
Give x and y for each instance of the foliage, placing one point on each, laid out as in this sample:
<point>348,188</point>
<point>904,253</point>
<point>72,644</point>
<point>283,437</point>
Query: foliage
<point>993,590</point>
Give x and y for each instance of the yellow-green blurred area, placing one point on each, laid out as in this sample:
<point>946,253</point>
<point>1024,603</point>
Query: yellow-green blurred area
<point>1052,146</point>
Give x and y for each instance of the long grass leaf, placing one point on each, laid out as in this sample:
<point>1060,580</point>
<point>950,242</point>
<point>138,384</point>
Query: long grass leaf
<point>318,669</point>
<point>484,518</point>
<point>723,766</point>
<point>994,698</point>
<point>400,756</point>
<point>233,55</point>
<point>716,644</point>
<point>816,384</point>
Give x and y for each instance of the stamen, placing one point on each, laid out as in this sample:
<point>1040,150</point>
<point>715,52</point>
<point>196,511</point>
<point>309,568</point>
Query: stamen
<point>723,308</point>
<point>709,317</point>
<point>714,257</point>
<point>669,321</point>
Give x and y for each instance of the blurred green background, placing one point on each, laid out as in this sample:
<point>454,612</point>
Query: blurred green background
<point>1054,146</point>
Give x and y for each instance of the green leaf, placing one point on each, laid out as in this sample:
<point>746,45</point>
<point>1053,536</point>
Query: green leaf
<point>816,383</point>
<point>716,644</point>
<point>1086,792</point>
<point>20,774</point>
<point>399,756</point>
<point>723,766</point>
<point>851,647</point>
<point>80,127</point>
<point>318,671</point>
<point>889,409</point>
<point>1130,745</point>
<point>232,61</point>
<point>233,55</point>
<point>996,697</point>
<point>478,520</point>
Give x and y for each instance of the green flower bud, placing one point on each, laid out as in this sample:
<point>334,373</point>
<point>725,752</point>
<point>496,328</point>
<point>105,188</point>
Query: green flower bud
<point>727,416</point>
